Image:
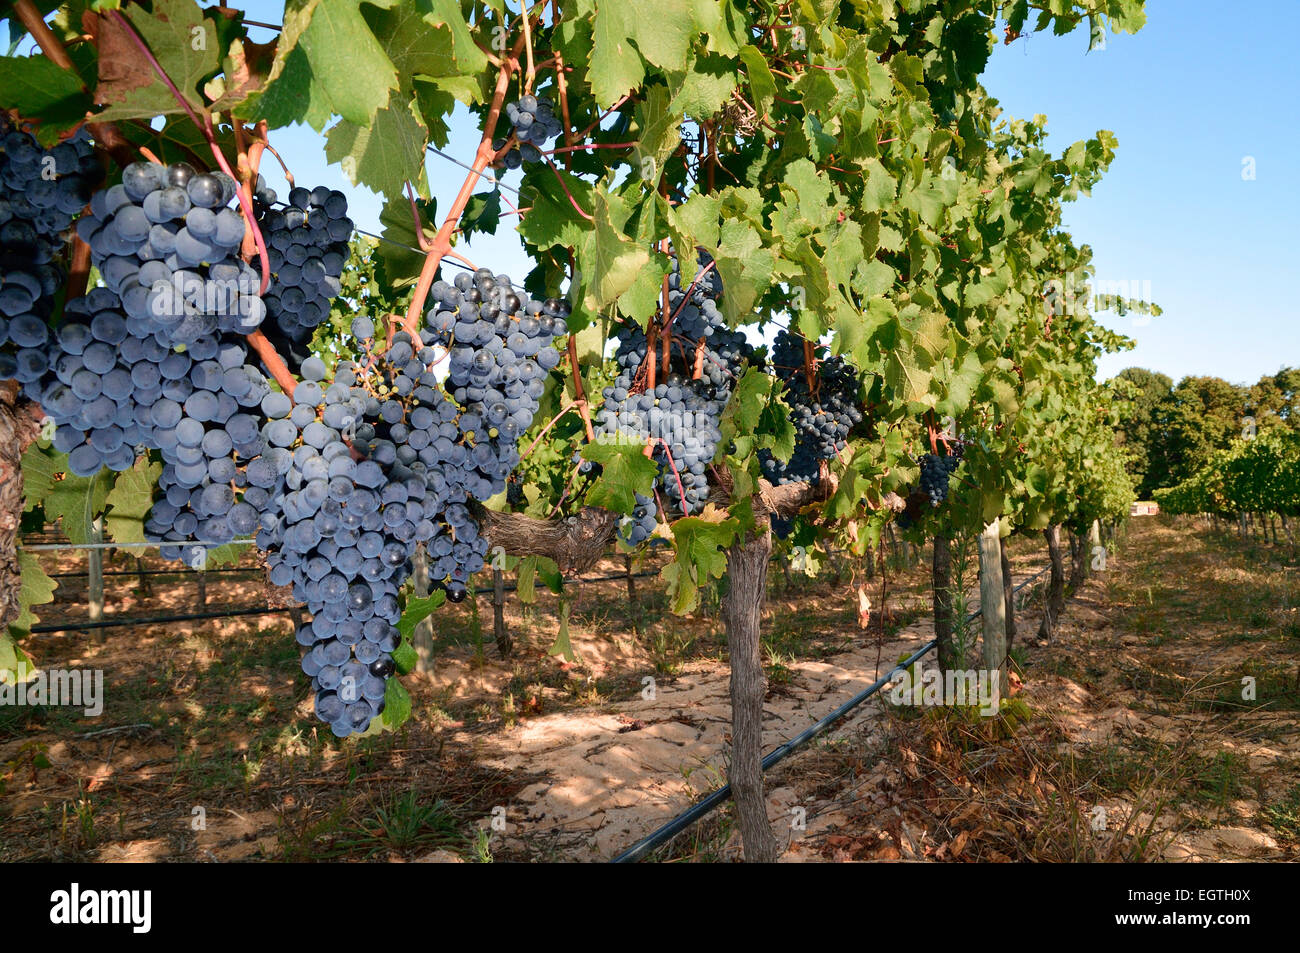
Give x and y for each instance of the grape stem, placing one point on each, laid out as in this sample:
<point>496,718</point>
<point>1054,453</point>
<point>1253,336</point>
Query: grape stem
<point>275,364</point>
<point>681,492</point>
<point>531,73</point>
<point>579,393</point>
<point>564,185</point>
<point>441,243</point>
<point>591,145</point>
<point>562,84</point>
<point>79,272</point>
<point>554,420</point>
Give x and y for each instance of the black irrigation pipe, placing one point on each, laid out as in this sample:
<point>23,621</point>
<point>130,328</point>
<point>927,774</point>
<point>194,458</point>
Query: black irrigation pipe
<point>156,620</point>
<point>705,806</point>
<point>157,572</point>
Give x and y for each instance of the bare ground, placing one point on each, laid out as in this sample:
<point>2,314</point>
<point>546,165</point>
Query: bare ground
<point>1135,710</point>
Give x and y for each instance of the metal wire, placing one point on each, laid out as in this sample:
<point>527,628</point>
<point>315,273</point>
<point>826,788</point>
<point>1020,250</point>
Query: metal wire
<point>482,175</point>
<point>706,806</point>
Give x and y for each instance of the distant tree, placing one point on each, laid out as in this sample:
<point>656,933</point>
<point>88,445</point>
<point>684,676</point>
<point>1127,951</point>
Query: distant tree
<point>1143,390</point>
<point>1275,400</point>
<point>1199,416</point>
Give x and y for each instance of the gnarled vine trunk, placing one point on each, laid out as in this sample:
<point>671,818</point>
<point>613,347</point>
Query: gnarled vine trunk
<point>941,583</point>
<point>17,429</point>
<point>742,609</point>
<point>1055,603</point>
<point>1008,597</point>
<point>1078,559</point>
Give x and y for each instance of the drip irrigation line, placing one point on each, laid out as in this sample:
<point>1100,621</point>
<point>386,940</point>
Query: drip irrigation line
<point>157,620</point>
<point>155,572</point>
<point>705,806</point>
<point>62,547</point>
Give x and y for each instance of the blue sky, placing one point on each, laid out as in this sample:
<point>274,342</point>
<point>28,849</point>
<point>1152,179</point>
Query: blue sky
<point>1190,98</point>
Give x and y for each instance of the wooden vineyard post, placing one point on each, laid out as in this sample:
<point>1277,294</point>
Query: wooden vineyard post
<point>499,631</point>
<point>95,571</point>
<point>993,604</point>
<point>422,637</point>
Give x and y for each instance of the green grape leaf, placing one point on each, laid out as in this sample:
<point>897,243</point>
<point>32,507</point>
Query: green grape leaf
<point>405,657</point>
<point>40,90</point>
<point>382,151</point>
<point>562,646</point>
<point>626,471</point>
<point>328,61</point>
<point>130,500</point>
<point>699,555</point>
<point>37,589</point>
<point>482,213</point>
<point>187,46</point>
<point>397,705</point>
<point>418,608</point>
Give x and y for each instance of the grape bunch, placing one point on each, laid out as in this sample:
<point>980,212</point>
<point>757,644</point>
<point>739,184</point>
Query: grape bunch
<point>636,529</point>
<point>823,415</point>
<point>307,246</point>
<point>535,124</point>
<point>41,191</point>
<point>935,473</point>
<point>166,242</point>
<point>195,405</point>
<point>680,416</point>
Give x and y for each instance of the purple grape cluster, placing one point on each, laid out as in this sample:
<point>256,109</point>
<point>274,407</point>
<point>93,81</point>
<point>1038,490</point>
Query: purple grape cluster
<point>681,414</point>
<point>535,124</point>
<point>307,245</point>
<point>823,419</point>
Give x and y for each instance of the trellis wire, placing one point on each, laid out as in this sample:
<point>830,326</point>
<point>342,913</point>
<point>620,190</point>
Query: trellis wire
<point>482,175</point>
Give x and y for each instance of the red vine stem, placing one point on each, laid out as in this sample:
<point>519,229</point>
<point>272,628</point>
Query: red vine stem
<point>274,362</point>
<point>288,176</point>
<point>601,118</point>
<point>681,498</point>
<point>441,243</point>
<point>579,393</point>
<point>554,420</point>
<point>564,185</point>
<point>591,145</point>
<point>562,84</point>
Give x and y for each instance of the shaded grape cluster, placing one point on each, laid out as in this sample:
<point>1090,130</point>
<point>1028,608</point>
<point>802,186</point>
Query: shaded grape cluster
<point>636,529</point>
<point>307,246</point>
<point>823,415</point>
<point>936,470</point>
<point>535,124</point>
<point>680,416</point>
<point>41,192</point>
